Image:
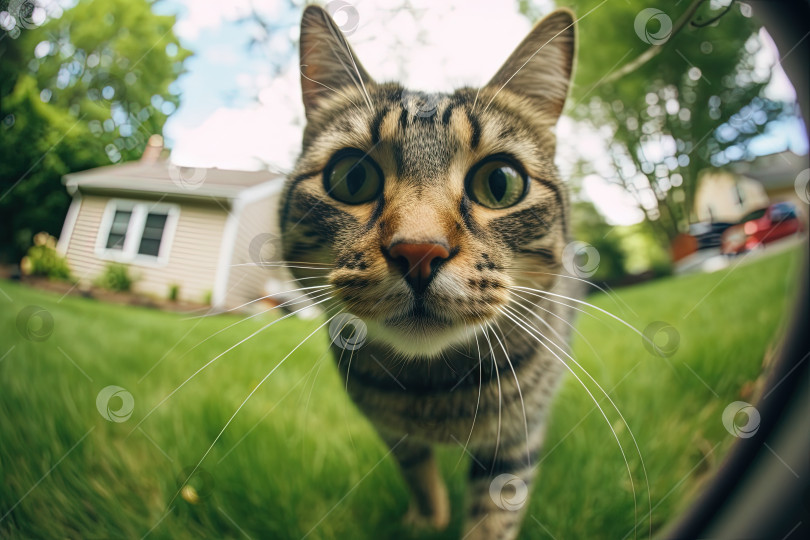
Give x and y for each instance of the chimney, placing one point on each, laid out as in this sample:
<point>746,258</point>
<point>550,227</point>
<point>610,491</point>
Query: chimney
<point>154,147</point>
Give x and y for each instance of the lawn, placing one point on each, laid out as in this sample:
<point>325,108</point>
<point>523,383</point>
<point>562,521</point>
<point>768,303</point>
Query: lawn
<point>299,461</point>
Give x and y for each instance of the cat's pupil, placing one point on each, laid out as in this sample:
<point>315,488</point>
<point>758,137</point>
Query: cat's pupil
<point>355,178</point>
<point>497,184</point>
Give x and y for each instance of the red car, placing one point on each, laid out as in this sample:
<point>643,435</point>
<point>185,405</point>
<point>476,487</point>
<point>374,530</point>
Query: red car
<point>761,227</point>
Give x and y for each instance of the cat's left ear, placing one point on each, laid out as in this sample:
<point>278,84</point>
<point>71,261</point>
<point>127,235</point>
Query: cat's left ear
<point>328,63</point>
<point>541,66</point>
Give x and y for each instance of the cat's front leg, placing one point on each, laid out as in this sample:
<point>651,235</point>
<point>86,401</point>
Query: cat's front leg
<point>430,506</point>
<point>498,493</point>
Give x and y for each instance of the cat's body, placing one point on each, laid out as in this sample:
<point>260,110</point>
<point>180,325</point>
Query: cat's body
<point>425,215</point>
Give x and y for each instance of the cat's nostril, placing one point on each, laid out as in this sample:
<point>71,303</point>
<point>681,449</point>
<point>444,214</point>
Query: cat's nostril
<point>419,261</point>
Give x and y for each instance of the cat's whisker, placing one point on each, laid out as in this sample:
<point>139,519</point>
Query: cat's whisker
<point>520,392</point>
<point>500,395</point>
<point>313,287</point>
<point>217,357</point>
<point>619,412</point>
<point>280,265</point>
<point>517,320</point>
<point>477,402</point>
<point>537,292</point>
<point>297,300</point>
<point>255,389</point>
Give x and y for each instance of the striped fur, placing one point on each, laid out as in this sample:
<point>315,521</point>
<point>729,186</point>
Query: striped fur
<point>458,371</point>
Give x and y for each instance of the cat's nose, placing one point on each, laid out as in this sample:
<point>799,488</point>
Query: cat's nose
<point>418,261</point>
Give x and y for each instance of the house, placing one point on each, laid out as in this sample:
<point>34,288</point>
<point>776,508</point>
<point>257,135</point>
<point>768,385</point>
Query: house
<point>199,232</point>
<point>728,195</point>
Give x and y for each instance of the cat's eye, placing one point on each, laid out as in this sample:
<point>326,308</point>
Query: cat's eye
<point>496,182</point>
<point>352,177</point>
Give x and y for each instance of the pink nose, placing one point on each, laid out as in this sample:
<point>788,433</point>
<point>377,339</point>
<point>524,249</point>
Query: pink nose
<point>419,258</point>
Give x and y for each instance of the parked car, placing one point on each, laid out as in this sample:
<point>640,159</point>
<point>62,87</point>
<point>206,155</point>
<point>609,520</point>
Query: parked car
<point>761,227</point>
<point>709,233</point>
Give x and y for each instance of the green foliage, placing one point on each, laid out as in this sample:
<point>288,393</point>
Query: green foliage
<point>174,292</point>
<point>591,227</point>
<point>43,260</point>
<point>116,277</point>
<point>694,104</point>
<point>84,89</point>
<point>300,444</point>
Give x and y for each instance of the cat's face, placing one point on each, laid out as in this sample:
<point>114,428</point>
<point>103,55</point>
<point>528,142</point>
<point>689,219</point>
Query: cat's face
<point>424,209</point>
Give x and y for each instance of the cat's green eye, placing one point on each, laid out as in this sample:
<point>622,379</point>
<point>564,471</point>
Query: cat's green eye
<point>496,183</point>
<point>353,178</point>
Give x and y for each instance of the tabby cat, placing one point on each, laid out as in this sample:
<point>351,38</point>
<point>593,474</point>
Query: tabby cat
<point>439,221</point>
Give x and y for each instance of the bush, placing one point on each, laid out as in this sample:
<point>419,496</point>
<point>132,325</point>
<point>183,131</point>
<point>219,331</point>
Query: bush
<point>43,260</point>
<point>174,292</point>
<point>116,277</point>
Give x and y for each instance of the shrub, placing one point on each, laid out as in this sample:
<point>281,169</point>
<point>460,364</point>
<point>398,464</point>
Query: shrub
<point>174,292</point>
<point>43,260</point>
<point>116,277</point>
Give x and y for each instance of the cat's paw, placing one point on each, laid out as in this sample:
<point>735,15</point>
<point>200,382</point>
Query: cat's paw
<point>438,520</point>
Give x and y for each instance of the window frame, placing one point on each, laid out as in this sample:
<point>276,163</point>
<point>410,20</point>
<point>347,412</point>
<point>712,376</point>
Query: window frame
<point>132,239</point>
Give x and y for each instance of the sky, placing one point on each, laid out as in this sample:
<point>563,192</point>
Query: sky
<point>240,110</point>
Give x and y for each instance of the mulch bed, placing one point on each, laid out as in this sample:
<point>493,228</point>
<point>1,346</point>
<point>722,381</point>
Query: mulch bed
<point>103,295</point>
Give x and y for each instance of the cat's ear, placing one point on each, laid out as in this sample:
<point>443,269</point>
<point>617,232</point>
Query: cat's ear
<point>328,63</point>
<point>541,66</point>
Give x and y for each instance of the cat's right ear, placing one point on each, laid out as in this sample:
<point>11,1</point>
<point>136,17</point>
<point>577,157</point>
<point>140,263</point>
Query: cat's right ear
<point>328,62</point>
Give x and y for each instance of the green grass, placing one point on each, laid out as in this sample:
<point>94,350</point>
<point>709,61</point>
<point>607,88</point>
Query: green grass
<point>300,458</point>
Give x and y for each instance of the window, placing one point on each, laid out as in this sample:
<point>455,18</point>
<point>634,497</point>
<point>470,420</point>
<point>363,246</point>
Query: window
<point>139,232</point>
<point>118,229</point>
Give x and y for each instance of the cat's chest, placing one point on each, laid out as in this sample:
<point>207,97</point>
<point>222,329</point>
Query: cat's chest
<point>443,399</point>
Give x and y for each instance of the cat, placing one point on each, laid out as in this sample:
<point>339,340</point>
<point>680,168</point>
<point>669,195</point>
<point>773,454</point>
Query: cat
<point>438,222</point>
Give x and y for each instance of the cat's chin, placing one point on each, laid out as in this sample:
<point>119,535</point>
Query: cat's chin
<point>419,339</point>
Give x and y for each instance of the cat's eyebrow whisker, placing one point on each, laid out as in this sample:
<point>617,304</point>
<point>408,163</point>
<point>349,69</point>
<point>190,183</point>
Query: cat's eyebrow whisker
<point>259,300</point>
<point>255,389</point>
<point>537,51</point>
<point>341,94</point>
<point>217,357</point>
<point>520,392</point>
<point>517,320</point>
<point>340,40</point>
<point>619,412</point>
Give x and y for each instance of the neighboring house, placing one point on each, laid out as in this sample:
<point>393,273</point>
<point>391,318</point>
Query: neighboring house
<point>200,230</point>
<point>724,196</point>
<point>728,195</point>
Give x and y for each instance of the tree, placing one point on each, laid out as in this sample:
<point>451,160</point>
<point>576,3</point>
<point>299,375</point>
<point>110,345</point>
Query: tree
<point>78,89</point>
<point>673,91</point>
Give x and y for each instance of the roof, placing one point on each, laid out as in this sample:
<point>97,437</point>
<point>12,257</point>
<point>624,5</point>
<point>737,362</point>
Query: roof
<point>167,178</point>
<point>774,171</point>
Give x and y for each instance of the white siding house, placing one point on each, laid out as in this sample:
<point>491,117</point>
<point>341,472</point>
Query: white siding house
<point>199,230</point>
